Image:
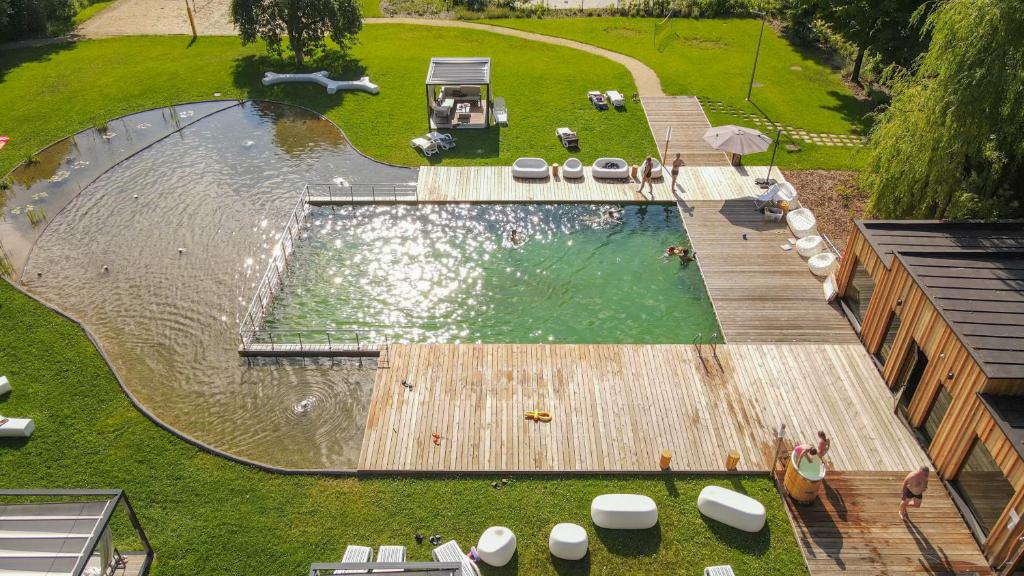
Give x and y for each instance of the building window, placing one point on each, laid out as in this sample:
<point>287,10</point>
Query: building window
<point>982,486</point>
<point>933,420</point>
<point>858,292</point>
<point>890,337</point>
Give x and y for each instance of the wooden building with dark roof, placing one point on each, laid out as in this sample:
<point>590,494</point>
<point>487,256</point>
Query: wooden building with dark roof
<point>940,306</point>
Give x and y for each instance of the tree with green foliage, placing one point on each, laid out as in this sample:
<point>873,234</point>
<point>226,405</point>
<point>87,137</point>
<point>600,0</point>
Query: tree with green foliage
<point>886,27</point>
<point>35,18</point>
<point>305,23</point>
<point>951,144</point>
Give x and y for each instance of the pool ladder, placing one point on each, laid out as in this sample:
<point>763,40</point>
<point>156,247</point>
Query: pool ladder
<point>699,343</point>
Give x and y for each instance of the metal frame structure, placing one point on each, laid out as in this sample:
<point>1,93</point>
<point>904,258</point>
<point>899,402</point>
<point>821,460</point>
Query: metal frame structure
<point>418,568</point>
<point>114,497</point>
<point>435,78</point>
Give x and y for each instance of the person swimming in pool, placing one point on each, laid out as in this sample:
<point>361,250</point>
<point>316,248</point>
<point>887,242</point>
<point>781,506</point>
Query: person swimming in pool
<point>613,213</point>
<point>685,256</point>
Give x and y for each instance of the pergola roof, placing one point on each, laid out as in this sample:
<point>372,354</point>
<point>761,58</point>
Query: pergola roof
<point>459,71</point>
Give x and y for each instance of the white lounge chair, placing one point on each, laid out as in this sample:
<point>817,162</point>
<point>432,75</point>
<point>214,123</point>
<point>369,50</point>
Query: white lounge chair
<point>500,111</point>
<point>5,386</point>
<point>450,552</point>
<point>568,137</point>
<point>572,168</point>
<point>428,147</point>
<point>778,192</point>
<point>360,554</point>
<point>530,168</point>
<point>446,141</point>
<point>16,427</point>
<point>616,98</point>
<point>611,168</point>
<point>390,554</point>
<point>719,571</point>
<point>732,508</point>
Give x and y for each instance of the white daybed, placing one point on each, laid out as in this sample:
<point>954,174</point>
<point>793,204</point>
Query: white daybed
<point>572,168</point>
<point>321,78</point>
<point>530,168</point>
<point>731,508</point>
<point>616,98</point>
<point>802,222</point>
<point>822,264</point>
<point>624,511</point>
<point>612,168</point>
<point>16,427</point>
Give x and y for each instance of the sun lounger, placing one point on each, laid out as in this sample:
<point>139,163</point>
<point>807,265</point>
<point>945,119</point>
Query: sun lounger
<point>500,111</point>
<point>719,571</point>
<point>446,141</point>
<point>16,427</point>
<point>450,552</point>
<point>360,554</point>
<point>598,100</point>
<point>5,386</point>
<point>428,147</point>
<point>616,98</point>
<point>568,137</point>
<point>390,554</point>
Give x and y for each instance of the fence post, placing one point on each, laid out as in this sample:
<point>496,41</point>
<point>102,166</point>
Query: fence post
<point>301,347</point>
<point>329,345</point>
<point>271,334</point>
<point>358,345</point>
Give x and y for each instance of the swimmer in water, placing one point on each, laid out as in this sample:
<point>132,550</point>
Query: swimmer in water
<point>612,213</point>
<point>674,250</point>
<point>685,256</point>
<point>514,236</point>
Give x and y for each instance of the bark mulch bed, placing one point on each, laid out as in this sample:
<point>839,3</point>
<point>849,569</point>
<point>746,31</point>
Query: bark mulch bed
<point>835,198</point>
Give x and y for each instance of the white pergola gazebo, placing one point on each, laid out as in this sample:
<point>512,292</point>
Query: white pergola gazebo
<point>459,93</point>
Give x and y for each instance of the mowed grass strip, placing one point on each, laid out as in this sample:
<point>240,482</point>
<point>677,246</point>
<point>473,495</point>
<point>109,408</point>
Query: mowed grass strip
<point>49,92</point>
<point>713,58</point>
<point>206,515</point>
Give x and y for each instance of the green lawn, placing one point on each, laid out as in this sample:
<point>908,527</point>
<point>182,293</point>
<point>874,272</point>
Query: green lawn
<point>371,8</point>
<point>89,11</point>
<point>205,515</point>
<point>713,57</point>
<point>52,91</point>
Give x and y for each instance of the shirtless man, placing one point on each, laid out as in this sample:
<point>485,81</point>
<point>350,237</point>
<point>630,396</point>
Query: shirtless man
<point>675,169</point>
<point>914,486</point>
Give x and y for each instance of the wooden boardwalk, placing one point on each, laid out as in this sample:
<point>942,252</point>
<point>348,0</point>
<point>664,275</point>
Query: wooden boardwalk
<point>615,407</point>
<point>496,184</point>
<point>686,117</point>
<point>760,292</point>
<point>854,529</point>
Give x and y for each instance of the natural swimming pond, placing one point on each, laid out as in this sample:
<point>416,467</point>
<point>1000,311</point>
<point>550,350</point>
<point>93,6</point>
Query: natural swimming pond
<point>537,273</point>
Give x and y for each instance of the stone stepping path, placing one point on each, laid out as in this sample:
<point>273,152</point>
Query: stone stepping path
<point>766,125</point>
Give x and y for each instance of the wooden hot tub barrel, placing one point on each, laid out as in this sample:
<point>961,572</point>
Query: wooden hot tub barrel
<point>797,486</point>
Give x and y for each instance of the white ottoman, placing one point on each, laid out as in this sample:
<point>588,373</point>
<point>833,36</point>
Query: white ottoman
<point>5,386</point>
<point>568,541</point>
<point>732,508</point>
<point>809,246</point>
<point>496,545</point>
<point>624,511</point>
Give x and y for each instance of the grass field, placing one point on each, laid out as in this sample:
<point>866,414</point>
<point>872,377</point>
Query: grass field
<point>52,91</point>
<point>205,515</point>
<point>370,8</point>
<point>713,58</point>
<point>90,11</point>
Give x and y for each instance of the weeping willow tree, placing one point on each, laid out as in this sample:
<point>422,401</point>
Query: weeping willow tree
<point>951,145</point>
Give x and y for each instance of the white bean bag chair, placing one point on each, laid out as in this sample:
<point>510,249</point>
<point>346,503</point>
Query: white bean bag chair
<point>530,168</point>
<point>809,245</point>
<point>802,222</point>
<point>612,168</point>
<point>5,386</point>
<point>822,264</point>
<point>16,427</point>
<point>624,511</point>
<point>568,541</point>
<point>496,545</point>
<point>731,508</point>
<point>572,168</point>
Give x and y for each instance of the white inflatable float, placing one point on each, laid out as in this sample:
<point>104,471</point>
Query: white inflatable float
<point>364,84</point>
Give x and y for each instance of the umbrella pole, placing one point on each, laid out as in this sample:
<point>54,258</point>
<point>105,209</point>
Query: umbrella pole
<point>767,180</point>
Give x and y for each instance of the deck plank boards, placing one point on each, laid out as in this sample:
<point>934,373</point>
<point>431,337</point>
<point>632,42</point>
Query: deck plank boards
<point>616,407</point>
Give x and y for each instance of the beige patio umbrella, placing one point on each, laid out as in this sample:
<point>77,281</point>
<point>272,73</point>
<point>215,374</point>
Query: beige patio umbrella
<point>736,139</point>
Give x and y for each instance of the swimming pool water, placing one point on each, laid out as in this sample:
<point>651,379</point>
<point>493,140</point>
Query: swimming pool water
<point>454,273</point>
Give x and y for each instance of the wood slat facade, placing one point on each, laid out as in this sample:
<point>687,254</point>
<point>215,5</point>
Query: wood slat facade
<point>950,366</point>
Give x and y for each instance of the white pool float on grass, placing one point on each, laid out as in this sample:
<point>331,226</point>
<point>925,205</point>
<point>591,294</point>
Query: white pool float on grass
<point>364,84</point>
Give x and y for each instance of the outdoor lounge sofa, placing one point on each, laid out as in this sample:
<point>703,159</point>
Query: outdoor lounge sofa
<point>530,168</point>
<point>572,168</point>
<point>611,168</point>
<point>656,170</point>
<point>450,552</point>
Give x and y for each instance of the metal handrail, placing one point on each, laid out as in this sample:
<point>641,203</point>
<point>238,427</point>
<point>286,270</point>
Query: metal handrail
<point>364,339</point>
<point>373,192</point>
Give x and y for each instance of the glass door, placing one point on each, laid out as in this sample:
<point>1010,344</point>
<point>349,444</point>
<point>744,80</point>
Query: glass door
<point>914,365</point>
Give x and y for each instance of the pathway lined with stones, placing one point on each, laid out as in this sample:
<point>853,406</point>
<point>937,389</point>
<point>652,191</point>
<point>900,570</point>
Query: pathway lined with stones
<point>767,126</point>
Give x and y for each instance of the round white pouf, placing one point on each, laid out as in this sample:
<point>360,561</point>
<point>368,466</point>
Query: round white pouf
<point>809,246</point>
<point>624,511</point>
<point>822,264</point>
<point>496,546</point>
<point>568,541</point>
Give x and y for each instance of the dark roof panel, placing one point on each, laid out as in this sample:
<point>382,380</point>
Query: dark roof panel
<point>890,236</point>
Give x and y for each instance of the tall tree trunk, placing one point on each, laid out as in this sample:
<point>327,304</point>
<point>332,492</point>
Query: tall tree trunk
<point>857,63</point>
<point>296,42</point>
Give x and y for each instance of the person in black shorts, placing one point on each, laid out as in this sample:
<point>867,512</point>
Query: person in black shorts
<point>914,486</point>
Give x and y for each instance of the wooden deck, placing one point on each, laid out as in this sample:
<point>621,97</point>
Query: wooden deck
<point>615,407</point>
<point>854,529</point>
<point>686,117</point>
<point>760,292</point>
<point>496,184</point>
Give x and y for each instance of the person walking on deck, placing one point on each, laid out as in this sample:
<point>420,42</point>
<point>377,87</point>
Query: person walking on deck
<point>914,486</point>
<point>675,169</point>
<point>645,176</point>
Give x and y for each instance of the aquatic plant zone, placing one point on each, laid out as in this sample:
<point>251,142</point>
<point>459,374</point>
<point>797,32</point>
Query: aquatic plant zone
<point>496,273</point>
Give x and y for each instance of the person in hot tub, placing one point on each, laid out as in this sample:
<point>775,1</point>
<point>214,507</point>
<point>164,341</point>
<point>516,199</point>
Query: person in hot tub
<point>805,451</point>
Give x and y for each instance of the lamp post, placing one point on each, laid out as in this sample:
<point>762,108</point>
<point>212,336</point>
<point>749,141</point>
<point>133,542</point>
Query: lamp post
<point>767,180</point>
<point>757,53</point>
